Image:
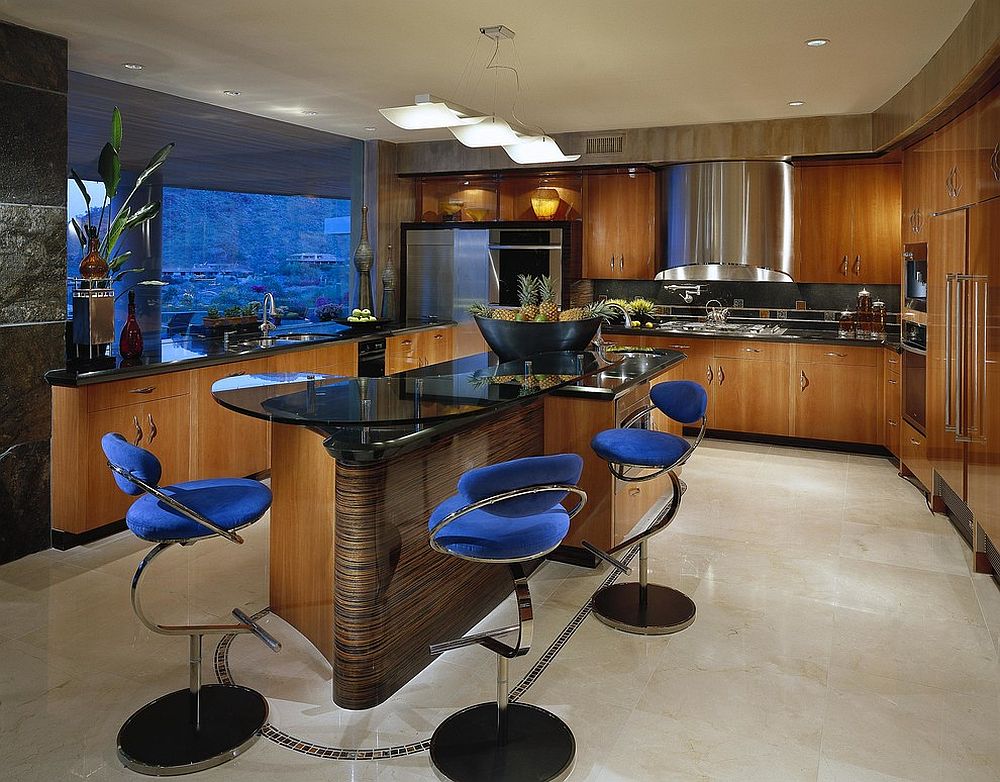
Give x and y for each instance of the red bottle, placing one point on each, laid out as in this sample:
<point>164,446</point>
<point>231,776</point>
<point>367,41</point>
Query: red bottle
<point>130,343</point>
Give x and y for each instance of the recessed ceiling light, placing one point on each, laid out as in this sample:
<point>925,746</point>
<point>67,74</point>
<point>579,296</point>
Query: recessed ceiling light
<point>231,92</point>
<point>132,66</point>
<point>371,129</point>
<point>796,103</point>
<point>309,113</point>
<point>815,42</point>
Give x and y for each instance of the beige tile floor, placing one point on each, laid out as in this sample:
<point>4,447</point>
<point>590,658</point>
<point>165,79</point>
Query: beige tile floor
<point>840,636</point>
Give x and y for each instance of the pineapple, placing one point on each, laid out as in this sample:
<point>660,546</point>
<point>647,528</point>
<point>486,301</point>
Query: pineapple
<point>641,308</point>
<point>600,309</point>
<point>576,313</point>
<point>527,295</point>
<point>481,310</point>
<point>504,313</point>
<point>548,309</point>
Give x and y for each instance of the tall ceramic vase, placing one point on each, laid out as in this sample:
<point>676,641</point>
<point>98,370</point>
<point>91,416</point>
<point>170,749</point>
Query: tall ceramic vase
<point>363,259</point>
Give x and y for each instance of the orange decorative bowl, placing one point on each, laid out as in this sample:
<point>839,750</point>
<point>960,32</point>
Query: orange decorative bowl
<point>477,214</point>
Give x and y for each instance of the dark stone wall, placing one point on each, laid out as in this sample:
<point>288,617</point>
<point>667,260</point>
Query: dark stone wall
<point>32,276</point>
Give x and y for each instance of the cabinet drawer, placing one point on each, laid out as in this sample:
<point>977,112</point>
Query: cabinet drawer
<point>837,354</point>
<point>913,447</point>
<point>105,396</point>
<point>893,362</point>
<point>751,350</point>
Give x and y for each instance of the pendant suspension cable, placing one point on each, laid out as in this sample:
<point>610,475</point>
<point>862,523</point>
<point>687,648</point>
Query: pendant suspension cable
<point>464,92</point>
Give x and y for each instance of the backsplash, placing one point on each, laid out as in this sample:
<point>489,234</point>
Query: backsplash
<point>833,297</point>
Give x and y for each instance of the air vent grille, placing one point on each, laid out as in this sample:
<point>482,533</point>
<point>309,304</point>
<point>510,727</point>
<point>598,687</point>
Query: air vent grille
<point>958,512</point>
<point>994,559</point>
<point>605,145</point>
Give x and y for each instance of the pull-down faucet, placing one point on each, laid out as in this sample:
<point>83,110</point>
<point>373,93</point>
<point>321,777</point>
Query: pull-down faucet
<point>267,312</point>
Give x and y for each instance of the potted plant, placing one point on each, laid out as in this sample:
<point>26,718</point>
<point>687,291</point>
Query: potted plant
<point>103,265</point>
<point>235,318</point>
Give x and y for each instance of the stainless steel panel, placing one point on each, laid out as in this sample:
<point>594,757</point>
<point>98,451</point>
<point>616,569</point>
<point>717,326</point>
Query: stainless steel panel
<point>446,270</point>
<point>549,242</point>
<point>729,220</point>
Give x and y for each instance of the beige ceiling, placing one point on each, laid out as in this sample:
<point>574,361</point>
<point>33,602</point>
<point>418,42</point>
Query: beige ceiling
<point>586,64</point>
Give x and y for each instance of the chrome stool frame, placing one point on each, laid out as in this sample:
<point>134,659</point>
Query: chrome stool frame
<point>640,607</point>
<point>503,741</point>
<point>202,726</point>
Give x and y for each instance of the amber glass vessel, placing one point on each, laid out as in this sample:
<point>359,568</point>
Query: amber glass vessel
<point>93,266</point>
<point>130,341</point>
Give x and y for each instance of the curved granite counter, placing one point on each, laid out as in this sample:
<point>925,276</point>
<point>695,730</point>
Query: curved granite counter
<point>357,466</point>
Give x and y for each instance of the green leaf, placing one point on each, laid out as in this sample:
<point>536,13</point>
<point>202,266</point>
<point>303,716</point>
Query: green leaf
<point>115,231</point>
<point>116,130</point>
<point>115,263</point>
<point>154,163</point>
<point>79,232</point>
<point>142,214</point>
<point>109,166</point>
<point>82,187</point>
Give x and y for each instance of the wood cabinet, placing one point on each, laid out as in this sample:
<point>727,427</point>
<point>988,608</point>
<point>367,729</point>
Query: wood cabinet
<point>913,455</point>
<point>891,401</point>
<point>698,367</point>
<point>620,226</point>
<point>847,223</point>
<point>987,158</point>
<point>418,349</point>
<point>838,393</point>
<point>954,180</point>
<point>337,358</point>
<point>225,443</point>
<point>916,200</point>
<point>751,396</point>
<point>516,193</point>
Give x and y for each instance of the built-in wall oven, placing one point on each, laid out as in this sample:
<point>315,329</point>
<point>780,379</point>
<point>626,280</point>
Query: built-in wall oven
<point>915,375</point>
<point>517,251</point>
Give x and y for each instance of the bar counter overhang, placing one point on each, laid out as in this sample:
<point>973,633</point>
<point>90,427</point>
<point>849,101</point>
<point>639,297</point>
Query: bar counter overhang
<point>357,466</point>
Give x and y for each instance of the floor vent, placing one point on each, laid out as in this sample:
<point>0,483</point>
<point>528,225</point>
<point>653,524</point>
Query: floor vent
<point>994,557</point>
<point>605,145</point>
<point>958,511</point>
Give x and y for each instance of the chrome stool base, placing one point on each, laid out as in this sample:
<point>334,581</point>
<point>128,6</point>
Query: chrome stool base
<point>539,746</point>
<point>664,610</point>
<point>160,739</point>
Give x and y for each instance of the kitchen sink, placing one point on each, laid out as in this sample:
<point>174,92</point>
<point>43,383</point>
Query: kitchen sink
<point>729,329</point>
<point>249,343</point>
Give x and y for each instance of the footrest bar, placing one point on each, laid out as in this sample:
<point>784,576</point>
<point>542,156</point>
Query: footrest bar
<point>617,564</point>
<point>470,640</point>
<point>269,640</point>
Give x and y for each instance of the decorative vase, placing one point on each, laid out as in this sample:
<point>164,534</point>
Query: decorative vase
<point>363,259</point>
<point>388,312</point>
<point>93,266</point>
<point>130,342</point>
<point>545,203</point>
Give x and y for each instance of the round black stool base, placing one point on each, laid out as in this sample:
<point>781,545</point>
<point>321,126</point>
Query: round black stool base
<point>539,747</point>
<point>159,739</point>
<point>666,610</point>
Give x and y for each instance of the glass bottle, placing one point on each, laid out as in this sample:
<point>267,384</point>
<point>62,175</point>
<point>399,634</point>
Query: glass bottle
<point>878,319</point>
<point>130,342</point>
<point>863,323</point>
<point>93,266</point>
<point>846,325</point>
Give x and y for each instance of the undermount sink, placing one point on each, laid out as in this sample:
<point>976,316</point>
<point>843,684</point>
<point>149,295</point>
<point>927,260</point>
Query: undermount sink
<point>733,329</point>
<point>270,342</point>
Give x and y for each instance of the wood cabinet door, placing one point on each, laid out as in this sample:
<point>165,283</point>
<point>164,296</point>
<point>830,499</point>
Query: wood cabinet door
<point>167,426</point>
<point>436,345</point>
<point>338,358</point>
<point>876,252</point>
<point>913,455</point>
<point>750,396</point>
<point>698,367</point>
<point>601,226</point>
<point>637,250</point>
<point>987,162</point>
<point>226,444</point>
<point>946,254</point>
<point>401,353</point>
<point>823,223</point>
<point>839,402</point>
<point>892,401</point>
<point>955,179</point>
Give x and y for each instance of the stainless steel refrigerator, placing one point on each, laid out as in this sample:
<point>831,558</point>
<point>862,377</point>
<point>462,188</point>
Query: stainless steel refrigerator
<point>446,270</point>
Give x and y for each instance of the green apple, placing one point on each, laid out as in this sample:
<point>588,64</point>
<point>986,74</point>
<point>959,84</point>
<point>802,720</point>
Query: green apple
<point>366,311</point>
<point>355,312</point>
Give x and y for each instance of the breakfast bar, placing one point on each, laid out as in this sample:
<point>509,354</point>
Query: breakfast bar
<point>357,466</point>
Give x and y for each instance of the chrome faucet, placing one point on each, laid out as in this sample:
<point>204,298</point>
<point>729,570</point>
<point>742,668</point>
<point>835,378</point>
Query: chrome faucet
<point>622,310</point>
<point>718,314</point>
<point>686,292</point>
<point>267,312</point>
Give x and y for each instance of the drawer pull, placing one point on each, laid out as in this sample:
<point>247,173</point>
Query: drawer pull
<point>633,492</point>
<point>680,347</point>
<point>843,266</point>
<point>439,336</point>
<point>406,342</point>
<point>751,350</point>
<point>893,360</point>
<point>836,355</point>
<point>892,382</point>
<point>914,442</point>
<point>152,428</point>
<point>138,431</point>
<point>238,374</point>
<point>803,381</point>
<point>722,375</point>
<point>143,390</point>
<point>709,375</point>
<point>892,423</point>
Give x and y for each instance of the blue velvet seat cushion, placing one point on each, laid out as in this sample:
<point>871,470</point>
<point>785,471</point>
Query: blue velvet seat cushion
<point>483,482</point>
<point>642,447</point>
<point>138,461</point>
<point>226,502</point>
<point>681,400</point>
<point>486,536</point>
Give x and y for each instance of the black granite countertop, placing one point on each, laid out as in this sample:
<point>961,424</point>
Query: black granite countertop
<point>819,336</point>
<point>180,352</point>
<point>370,418</point>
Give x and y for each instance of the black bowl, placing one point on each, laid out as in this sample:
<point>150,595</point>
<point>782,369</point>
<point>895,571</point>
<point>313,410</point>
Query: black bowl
<point>514,339</point>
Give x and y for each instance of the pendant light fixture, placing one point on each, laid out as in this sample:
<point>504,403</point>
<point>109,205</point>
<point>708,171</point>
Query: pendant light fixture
<point>524,144</point>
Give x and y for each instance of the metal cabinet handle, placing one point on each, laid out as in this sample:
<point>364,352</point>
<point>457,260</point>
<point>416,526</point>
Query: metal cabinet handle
<point>843,266</point>
<point>995,162</point>
<point>709,375</point>
<point>835,355</point>
<point>144,390</point>
<point>751,350</point>
<point>803,380</point>
<point>892,382</point>
<point>680,347</point>
<point>960,362</point>
<point>893,360</point>
<point>949,296</point>
<point>439,336</point>
<point>722,375</point>
<point>633,491</point>
<point>857,266</point>
<point>916,443</point>
<point>241,373</point>
<point>621,261</point>
<point>406,342</point>
<point>138,431</point>
<point>152,428</point>
<point>892,422</point>
<point>612,263</point>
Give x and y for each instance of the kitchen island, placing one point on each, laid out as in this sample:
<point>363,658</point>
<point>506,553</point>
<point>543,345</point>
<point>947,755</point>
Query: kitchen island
<point>357,466</point>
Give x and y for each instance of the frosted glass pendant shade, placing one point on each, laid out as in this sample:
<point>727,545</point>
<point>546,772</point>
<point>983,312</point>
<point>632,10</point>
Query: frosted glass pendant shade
<point>426,114</point>
<point>537,149</point>
<point>491,132</point>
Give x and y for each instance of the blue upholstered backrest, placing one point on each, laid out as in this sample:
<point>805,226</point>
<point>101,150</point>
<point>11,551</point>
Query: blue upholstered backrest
<point>137,461</point>
<point>682,400</point>
<point>483,482</point>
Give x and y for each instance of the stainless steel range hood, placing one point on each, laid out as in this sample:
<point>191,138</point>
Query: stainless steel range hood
<point>728,221</point>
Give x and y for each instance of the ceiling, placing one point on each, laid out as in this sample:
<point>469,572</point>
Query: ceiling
<point>586,65</point>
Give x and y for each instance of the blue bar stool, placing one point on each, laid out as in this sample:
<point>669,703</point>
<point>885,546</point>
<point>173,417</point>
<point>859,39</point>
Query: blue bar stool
<point>634,455</point>
<point>507,513</point>
<point>202,726</point>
